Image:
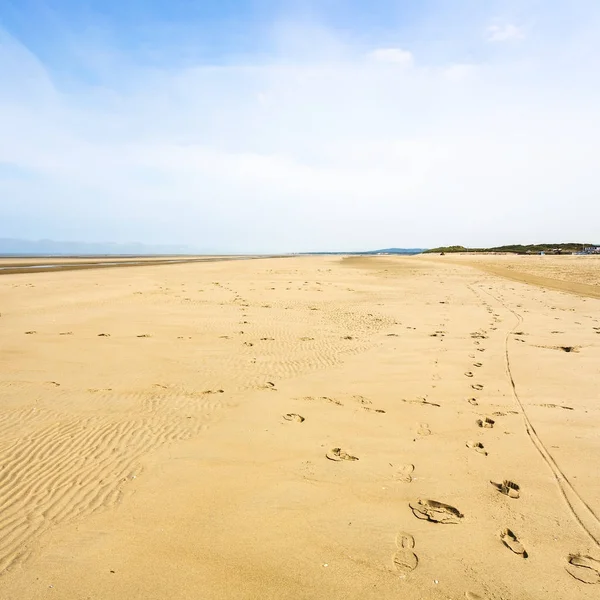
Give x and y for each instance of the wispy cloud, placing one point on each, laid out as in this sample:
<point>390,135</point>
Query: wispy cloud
<point>504,33</point>
<point>460,71</point>
<point>396,56</point>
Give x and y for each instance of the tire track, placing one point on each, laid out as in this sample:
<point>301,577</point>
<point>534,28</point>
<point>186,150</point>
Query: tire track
<point>580,509</point>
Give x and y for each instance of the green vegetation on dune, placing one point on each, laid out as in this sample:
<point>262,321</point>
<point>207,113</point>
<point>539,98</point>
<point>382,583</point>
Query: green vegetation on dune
<point>567,248</point>
<point>450,249</point>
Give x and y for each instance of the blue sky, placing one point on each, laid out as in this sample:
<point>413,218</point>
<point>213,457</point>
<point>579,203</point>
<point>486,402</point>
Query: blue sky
<point>288,126</point>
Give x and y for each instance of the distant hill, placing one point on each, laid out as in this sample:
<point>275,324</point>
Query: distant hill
<point>567,248</point>
<point>369,252</point>
<point>15,247</point>
<point>396,251</point>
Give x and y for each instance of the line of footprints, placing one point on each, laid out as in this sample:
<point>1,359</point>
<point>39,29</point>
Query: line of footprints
<point>582,567</point>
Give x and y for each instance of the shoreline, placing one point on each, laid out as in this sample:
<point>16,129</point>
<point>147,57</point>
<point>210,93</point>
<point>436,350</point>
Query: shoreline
<point>20,266</point>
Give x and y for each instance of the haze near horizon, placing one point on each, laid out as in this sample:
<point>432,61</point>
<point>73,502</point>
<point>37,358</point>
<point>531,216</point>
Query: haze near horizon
<point>265,126</point>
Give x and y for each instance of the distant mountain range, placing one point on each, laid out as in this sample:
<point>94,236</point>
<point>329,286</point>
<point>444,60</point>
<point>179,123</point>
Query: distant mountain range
<point>15,247</point>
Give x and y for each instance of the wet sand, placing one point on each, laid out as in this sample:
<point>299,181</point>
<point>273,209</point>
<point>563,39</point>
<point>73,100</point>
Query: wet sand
<point>301,428</point>
<point>13,266</point>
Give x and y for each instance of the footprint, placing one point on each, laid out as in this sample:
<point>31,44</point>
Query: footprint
<point>437,512</point>
<point>477,364</point>
<point>338,454</point>
<point>269,385</point>
<point>405,561</point>
<point>424,429</point>
<point>486,423</point>
<point>584,568</point>
<point>473,596</point>
<point>404,473</point>
<point>332,400</point>
<point>377,410</point>
<point>477,386</point>
<point>30,332</point>
<point>477,446</point>
<point>104,335</point>
<point>510,540</point>
<point>144,335</point>
<point>421,400</point>
<point>508,488</point>
<point>468,374</point>
<point>294,417</point>
<point>66,333</point>
<point>362,400</point>
<point>473,401</point>
<point>405,541</point>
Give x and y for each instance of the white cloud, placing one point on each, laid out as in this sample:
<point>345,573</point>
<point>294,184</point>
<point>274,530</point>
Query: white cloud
<point>396,56</point>
<point>504,33</point>
<point>459,72</point>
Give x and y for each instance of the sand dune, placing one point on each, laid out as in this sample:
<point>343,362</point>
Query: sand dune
<point>578,274</point>
<point>311,427</point>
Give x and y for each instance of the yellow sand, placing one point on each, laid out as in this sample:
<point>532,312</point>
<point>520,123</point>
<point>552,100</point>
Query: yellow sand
<point>155,462</point>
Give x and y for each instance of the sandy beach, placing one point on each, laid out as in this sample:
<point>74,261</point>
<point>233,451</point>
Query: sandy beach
<point>302,428</point>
